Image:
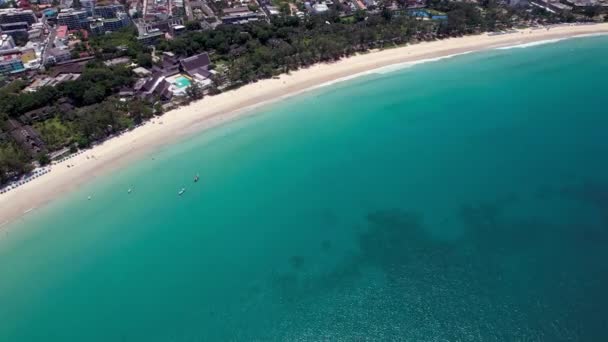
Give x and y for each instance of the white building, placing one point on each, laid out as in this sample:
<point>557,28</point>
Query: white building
<point>320,8</point>
<point>6,42</point>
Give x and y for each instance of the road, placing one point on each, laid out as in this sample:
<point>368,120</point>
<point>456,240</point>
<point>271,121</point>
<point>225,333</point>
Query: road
<point>48,43</point>
<point>188,9</point>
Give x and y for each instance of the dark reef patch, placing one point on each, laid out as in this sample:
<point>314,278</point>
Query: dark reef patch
<point>297,262</point>
<point>504,278</point>
<point>594,193</point>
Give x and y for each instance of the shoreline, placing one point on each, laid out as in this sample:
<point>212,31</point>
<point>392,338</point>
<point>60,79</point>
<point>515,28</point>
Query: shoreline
<point>216,110</point>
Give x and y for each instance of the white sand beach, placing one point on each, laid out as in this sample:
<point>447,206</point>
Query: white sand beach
<point>214,110</point>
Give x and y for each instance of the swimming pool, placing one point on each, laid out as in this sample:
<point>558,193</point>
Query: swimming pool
<point>182,82</point>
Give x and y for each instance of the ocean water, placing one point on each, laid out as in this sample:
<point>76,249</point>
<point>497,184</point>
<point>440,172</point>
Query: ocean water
<point>458,200</point>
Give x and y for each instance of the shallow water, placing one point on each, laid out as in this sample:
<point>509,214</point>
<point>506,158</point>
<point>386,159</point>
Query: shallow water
<point>463,199</point>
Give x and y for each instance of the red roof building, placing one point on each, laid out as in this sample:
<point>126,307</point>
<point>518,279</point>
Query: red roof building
<point>62,32</point>
<point>24,4</point>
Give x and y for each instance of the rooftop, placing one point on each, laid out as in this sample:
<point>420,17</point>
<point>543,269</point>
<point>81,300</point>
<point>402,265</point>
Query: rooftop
<point>70,11</point>
<point>197,64</point>
<point>12,11</point>
<point>236,10</point>
<point>117,61</point>
<point>319,8</point>
<point>62,31</point>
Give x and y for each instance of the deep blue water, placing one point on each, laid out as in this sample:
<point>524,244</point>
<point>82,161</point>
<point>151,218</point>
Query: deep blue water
<point>458,200</point>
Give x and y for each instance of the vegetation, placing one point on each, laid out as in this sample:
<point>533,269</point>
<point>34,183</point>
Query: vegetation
<point>193,25</point>
<point>261,50</point>
<point>96,83</point>
<point>117,44</point>
<point>194,91</point>
<point>13,161</point>
<point>97,114</point>
<point>240,54</point>
<point>99,121</point>
<point>55,133</point>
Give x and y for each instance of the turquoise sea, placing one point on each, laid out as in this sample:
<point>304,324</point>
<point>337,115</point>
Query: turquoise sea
<point>459,200</point>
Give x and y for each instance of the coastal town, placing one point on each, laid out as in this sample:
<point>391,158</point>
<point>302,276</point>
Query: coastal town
<point>74,73</point>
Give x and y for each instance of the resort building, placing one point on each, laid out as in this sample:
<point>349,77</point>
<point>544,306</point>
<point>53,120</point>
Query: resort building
<point>165,26</point>
<point>73,19</point>
<point>96,26</point>
<point>316,8</point>
<point>142,72</point>
<point>49,81</point>
<point>272,10</point>
<point>149,33</point>
<point>12,15</point>
<point>108,12</point>
<point>154,87</point>
<point>103,25</point>
<point>36,115</point>
<point>426,14</point>
<point>115,24</point>
<point>151,37</point>
<point>173,76</point>
<point>26,137</point>
<point>197,67</point>
<point>15,30</point>
<point>75,66</point>
<point>238,15</point>
<point>22,26</point>
<point>178,29</point>
<point>169,65</point>
<point>117,61</point>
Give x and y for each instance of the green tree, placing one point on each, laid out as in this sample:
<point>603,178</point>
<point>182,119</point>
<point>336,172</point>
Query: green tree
<point>284,8</point>
<point>139,111</point>
<point>194,91</point>
<point>55,133</point>
<point>13,162</point>
<point>94,94</point>
<point>193,25</point>
<point>144,60</point>
<point>359,15</point>
<point>387,14</point>
<point>157,108</point>
<point>43,159</point>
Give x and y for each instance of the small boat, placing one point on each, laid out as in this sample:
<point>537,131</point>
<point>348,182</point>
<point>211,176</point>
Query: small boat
<point>129,191</point>
<point>89,198</point>
<point>181,192</point>
<point>196,178</point>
